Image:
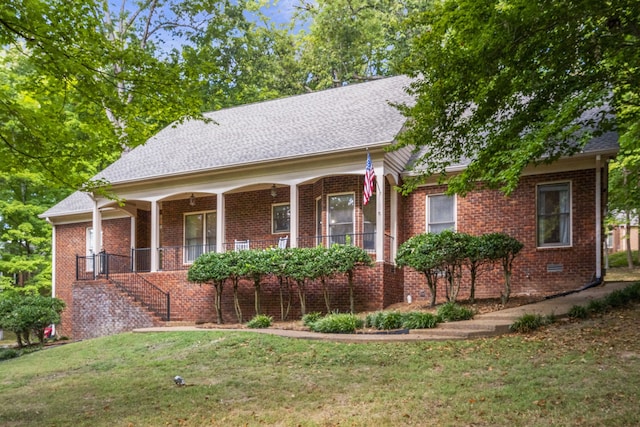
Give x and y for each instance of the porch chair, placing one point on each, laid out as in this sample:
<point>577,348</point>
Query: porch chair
<point>282,242</point>
<point>241,245</point>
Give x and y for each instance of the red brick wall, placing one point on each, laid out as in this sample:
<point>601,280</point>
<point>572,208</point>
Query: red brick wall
<point>487,211</point>
<point>71,241</point>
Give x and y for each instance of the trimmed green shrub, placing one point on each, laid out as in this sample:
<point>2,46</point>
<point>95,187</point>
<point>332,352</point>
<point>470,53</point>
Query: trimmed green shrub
<point>339,323</point>
<point>260,321</point>
<point>451,312</point>
<point>616,299</point>
<point>310,318</point>
<point>385,320</point>
<point>597,306</point>
<point>418,320</point>
<point>578,312</point>
<point>8,353</point>
<point>632,291</point>
<point>531,322</point>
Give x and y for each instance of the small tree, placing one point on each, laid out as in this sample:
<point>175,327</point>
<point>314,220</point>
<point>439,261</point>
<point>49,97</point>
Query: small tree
<point>211,268</point>
<point>451,247</point>
<point>237,269</point>
<point>324,267</point>
<point>280,259</point>
<point>422,253</point>
<point>346,258</point>
<point>301,270</point>
<point>30,314</point>
<point>476,256</point>
<point>503,248</point>
<point>257,264</point>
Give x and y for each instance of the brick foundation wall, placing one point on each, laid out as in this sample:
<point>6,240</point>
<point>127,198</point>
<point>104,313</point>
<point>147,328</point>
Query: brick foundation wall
<point>99,309</point>
<point>194,302</point>
<point>486,211</point>
<point>71,241</point>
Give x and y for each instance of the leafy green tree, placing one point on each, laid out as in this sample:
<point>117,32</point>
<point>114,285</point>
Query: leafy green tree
<point>25,239</point>
<point>508,84</point>
<point>24,315</point>
<point>422,253</point>
<point>452,247</point>
<point>351,41</point>
<point>301,269</point>
<point>213,268</point>
<point>476,257</point>
<point>257,264</point>
<point>281,260</point>
<point>346,259</point>
<point>503,249</point>
<point>624,195</point>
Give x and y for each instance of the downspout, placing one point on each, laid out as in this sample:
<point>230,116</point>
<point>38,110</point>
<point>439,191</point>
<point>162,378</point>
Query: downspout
<point>598,217</point>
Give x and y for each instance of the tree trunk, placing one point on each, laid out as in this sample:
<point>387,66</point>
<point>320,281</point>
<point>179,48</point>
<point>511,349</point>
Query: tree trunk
<point>236,301</point>
<point>303,297</point>
<point>325,294</point>
<point>256,285</point>
<point>352,302</point>
<point>218,302</point>
<point>627,237</point>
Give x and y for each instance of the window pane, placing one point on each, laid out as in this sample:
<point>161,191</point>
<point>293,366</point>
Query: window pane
<point>281,215</point>
<point>554,218</point>
<point>341,217</point>
<point>369,214</point>
<point>441,214</point>
<point>193,231</point>
<point>211,231</point>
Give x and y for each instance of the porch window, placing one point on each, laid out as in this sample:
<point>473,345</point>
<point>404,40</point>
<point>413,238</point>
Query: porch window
<point>341,217</point>
<point>280,218</point>
<point>440,213</point>
<point>199,235</point>
<point>554,214</point>
<point>369,217</point>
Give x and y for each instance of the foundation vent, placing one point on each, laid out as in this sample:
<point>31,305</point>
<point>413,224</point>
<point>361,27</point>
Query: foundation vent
<point>554,268</point>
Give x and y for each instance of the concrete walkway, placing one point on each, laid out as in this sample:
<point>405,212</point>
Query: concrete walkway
<point>482,325</point>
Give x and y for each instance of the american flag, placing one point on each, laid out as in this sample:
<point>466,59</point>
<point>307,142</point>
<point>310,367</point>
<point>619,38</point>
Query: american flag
<point>369,180</point>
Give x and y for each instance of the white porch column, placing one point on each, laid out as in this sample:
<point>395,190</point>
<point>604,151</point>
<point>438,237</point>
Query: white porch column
<point>294,215</point>
<point>598,217</point>
<point>155,235</point>
<point>393,222</point>
<point>380,205</point>
<point>220,215</point>
<point>97,227</point>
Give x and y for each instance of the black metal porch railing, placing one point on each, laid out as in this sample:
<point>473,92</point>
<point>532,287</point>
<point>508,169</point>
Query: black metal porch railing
<point>144,292</point>
<point>173,258</point>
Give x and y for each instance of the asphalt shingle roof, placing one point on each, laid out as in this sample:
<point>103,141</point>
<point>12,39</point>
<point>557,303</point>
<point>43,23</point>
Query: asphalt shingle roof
<point>332,120</point>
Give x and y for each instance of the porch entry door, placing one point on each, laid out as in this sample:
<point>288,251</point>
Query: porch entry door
<point>340,215</point>
<point>200,235</point>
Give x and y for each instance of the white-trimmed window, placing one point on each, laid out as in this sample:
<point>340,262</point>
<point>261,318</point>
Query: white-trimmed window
<point>199,234</point>
<point>554,214</point>
<point>280,218</point>
<point>341,217</point>
<point>441,213</point>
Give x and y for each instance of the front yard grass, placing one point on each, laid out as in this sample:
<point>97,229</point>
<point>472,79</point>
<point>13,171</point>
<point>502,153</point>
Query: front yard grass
<point>570,373</point>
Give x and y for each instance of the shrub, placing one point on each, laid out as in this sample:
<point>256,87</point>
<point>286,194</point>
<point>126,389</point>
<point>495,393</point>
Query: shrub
<point>451,312</point>
<point>260,321</point>
<point>340,323</point>
<point>632,292</point>
<point>310,318</point>
<point>386,320</point>
<point>597,306</point>
<point>531,322</point>
<point>578,312</point>
<point>418,320</point>
<point>616,299</point>
<point>8,353</point>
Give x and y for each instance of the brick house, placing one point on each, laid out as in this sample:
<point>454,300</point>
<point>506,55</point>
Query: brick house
<point>290,172</point>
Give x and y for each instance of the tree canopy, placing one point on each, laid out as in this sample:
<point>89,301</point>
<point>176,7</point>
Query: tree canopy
<point>507,84</point>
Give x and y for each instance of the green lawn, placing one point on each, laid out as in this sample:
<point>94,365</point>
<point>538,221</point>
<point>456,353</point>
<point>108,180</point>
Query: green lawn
<point>572,373</point>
